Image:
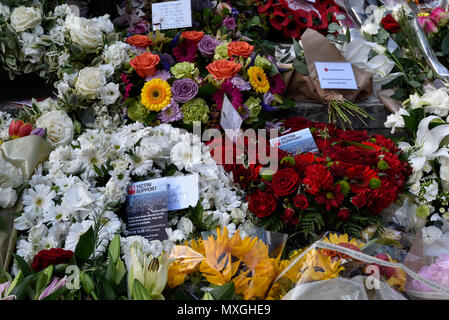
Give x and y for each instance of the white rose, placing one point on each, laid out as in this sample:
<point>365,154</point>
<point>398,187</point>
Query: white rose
<point>59,127</point>
<point>90,81</point>
<point>185,225</point>
<point>8,197</point>
<point>23,18</point>
<point>84,32</point>
<point>10,176</point>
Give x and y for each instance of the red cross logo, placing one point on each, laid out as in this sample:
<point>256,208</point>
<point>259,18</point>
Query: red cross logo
<point>326,69</point>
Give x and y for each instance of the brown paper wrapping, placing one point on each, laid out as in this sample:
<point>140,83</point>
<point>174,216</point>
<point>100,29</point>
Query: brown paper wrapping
<point>307,88</point>
<point>24,153</point>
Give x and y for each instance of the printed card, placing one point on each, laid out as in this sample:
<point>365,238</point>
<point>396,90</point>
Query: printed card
<point>336,75</point>
<point>297,142</point>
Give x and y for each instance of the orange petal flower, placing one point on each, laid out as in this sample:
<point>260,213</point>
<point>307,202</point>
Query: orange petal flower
<point>240,49</point>
<point>223,69</point>
<point>145,64</point>
<point>139,41</point>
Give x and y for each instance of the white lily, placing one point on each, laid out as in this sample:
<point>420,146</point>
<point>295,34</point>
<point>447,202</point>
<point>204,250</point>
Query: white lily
<point>428,143</point>
<point>150,271</point>
<point>372,24</point>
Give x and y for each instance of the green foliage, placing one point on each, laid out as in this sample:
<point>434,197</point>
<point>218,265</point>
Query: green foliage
<point>310,224</point>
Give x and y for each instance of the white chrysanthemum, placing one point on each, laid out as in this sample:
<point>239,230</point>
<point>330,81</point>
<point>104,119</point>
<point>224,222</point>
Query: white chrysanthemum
<point>116,54</point>
<point>75,232</point>
<point>141,163</point>
<point>39,199</point>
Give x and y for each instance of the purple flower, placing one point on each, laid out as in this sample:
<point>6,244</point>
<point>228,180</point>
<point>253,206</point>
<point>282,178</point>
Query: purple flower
<point>161,74</point>
<point>229,23</point>
<point>140,28</point>
<point>268,98</point>
<point>273,125</point>
<point>38,132</point>
<point>437,272</point>
<point>241,84</point>
<point>55,285</point>
<point>184,90</point>
<point>171,113</point>
<point>207,46</point>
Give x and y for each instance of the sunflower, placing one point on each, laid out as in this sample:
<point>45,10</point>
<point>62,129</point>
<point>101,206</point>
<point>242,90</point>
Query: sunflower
<point>341,240</point>
<point>258,79</point>
<point>156,94</point>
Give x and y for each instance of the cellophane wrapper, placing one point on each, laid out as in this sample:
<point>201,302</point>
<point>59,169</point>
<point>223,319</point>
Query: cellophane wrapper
<point>347,269</point>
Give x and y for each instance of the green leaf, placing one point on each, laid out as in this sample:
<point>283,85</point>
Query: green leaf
<point>114,249</point>
<point>120,271</point>
<point>20,290</point>
<point>43,280</point>
<point>445,44</point>
<point>301,67</point>
<point>85,247</point>
<point>224,292</point>
<point>22,264</point>
<point>140,293</point>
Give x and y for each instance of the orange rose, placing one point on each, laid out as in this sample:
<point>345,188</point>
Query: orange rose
<point>139,41</point>
<point>240,48</point>
<point>145,64</point>
<point>194,36</point>
<point>223,69</point>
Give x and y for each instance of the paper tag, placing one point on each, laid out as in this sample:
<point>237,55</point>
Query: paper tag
<point>231,121</point>
<point>336,75</point>
<point>183,191</point>
<point>146,209</point>
<point>172,15</point>
<point>296,142</point>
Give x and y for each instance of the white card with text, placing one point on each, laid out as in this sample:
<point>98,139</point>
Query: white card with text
<point>172,15</point>
<point>230,121</point>
<point>183,191</point>
<point>336,75</point>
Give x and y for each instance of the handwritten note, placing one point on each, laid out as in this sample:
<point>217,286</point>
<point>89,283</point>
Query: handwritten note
<point>172,15</point>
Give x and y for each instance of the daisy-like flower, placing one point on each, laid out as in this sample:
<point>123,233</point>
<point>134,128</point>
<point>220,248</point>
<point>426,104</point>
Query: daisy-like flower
<point>156,94</point>
<point>171,113</point>
<point>160,74</point>
<point>141,163</point>
<point>277,84</point>
<point>258,79</point>
<point>232,92</point>
<point>39,199</point>
<point>240,83</point>
<point>332,197</point>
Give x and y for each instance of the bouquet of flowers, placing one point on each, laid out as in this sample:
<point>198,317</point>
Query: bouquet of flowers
<point>188,82</point>
<point>344,186</point>
<point>426,143</point>
<point>292,17</point>
<point>84,184</point>
<point>223,267</point>
<point>335,268</point>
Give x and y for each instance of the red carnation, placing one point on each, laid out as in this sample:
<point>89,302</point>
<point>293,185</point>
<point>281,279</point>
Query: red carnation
<point>353,135</point>
<point>300,201</point>
<point>316,178</point>
<point>51,257</point>
<point>262,204</point>
<point>285,182</point>
<point>390,24</point>
<point>344,214</point>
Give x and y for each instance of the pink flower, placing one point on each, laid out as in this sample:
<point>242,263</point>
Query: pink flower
<point>440,16</point>
<point>428,25</point>
<point>233,93</point>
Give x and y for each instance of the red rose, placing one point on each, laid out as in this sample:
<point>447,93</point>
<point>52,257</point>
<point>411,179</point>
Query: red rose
<point>351,156</point>
<point>48,257</point>
<point>390,24</point>
<point>344,214</point>
<point>285,182</point>
<point>316,178</point>
<point>289,216</point>
<point>300,201</point>
<point>262,204</point>
<point>296,124</point>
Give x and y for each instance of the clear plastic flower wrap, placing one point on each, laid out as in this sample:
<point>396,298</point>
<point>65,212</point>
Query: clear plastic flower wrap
<point>429,259</point>
<point>235,267</point>
<point>338,267</point>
